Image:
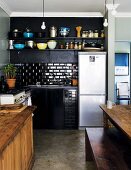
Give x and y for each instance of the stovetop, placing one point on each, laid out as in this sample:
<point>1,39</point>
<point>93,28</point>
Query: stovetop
<point>14,91</point>
<point>13,96</point>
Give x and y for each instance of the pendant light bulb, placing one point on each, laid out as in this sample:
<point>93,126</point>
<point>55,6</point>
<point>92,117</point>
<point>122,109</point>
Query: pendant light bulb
<point>105,24</point>
<point>43,26</point>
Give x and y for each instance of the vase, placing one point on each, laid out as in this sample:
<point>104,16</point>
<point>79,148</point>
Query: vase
<point>11,83</point>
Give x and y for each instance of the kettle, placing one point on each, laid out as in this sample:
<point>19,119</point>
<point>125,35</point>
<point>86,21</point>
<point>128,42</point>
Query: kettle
<point>53,31</point>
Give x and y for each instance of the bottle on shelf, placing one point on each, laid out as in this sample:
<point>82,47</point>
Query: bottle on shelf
<point>90,35</point>
<point>84,34</point>
<point>76,46</point>
<point>78,29</point>
<point>61,44</point>
<point>79,46</point>
<point>71,45</point>
<point>95,34</point>
<point>83,44</point>
<point>67,45</point>
<point>102,34</point>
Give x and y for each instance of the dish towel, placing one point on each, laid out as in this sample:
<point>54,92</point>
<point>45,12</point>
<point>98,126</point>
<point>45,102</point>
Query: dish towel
<point>29,101</point>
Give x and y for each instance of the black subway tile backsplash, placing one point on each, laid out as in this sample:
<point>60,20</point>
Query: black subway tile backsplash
<point>46,73</point>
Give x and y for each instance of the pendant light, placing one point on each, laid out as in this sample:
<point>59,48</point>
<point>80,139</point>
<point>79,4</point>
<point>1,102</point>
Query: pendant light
<point>105,24</point>
<point>114,9</point>
<point>112,6</point>
<point>43,23</point>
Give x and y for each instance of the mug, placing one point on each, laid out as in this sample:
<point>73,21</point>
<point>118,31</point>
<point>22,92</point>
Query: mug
<point>109,104</point>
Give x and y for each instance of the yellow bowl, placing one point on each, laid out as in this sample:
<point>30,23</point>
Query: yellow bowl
<point>41,46</point>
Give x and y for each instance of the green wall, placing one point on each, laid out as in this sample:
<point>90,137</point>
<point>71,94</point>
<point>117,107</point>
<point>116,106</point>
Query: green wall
<point>123,42</point>
<point>123,29</point>
<point>4,29</point>
<point>122,47</point>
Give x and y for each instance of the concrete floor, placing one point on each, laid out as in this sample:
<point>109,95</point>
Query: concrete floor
<point>60,150</point>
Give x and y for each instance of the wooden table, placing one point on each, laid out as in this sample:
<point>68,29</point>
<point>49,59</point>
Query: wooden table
<point>119,116</point>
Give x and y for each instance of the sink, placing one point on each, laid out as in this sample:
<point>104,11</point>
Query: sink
<point>52,85</point>
<point>45,85</point>
<point>34,85</point>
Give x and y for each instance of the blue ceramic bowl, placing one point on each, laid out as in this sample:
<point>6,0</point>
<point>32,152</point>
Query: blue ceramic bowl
<point>28,35</point>
<point>19,46</point>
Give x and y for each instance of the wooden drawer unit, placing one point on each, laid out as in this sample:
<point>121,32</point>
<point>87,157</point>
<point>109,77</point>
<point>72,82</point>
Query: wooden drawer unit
<point>18,154</point>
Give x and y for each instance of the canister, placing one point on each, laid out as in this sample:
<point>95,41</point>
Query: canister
<point>53,31</point>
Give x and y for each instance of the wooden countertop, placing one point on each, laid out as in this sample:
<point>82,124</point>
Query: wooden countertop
<point>11,123</point>
<point>120,116</point>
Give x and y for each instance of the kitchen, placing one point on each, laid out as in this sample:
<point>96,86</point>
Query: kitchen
<point>68,57</point>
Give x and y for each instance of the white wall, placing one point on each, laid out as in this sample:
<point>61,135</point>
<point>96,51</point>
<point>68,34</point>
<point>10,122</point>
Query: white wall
<point>111,51</point>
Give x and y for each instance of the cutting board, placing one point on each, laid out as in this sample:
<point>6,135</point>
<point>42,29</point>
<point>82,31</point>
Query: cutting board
<point>12,108</point>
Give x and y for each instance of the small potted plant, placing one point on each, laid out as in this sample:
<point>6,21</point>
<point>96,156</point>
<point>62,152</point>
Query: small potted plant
<point>10,75</point>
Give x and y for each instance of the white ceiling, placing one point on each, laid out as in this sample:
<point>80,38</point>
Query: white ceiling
<point>20,7</point>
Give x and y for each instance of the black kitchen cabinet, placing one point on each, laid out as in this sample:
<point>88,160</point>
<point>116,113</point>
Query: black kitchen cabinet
<point>39,99</point>
<point>70,109</point>
<point>50,108</point>
<point>55,108</point>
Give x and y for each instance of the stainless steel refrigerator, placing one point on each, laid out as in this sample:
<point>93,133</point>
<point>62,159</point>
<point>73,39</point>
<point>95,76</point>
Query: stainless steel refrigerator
<point>92,88</point>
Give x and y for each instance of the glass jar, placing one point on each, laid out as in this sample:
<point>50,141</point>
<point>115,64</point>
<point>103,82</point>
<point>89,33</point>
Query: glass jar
<point>102,34</point>
<point>84,34</point>
<point>87,34</point>
<point>79,46</point>
<point>90,35</point>
<point>95,34</point>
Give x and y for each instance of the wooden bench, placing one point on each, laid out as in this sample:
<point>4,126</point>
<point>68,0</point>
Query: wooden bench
<point>100,147</point>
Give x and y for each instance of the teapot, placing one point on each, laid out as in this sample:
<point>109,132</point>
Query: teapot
<point>64,31</point>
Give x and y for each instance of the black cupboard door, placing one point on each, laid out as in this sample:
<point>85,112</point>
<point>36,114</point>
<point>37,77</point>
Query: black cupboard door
<point>39,99</point>
<point>55,108</point>
<point>50,108</point>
